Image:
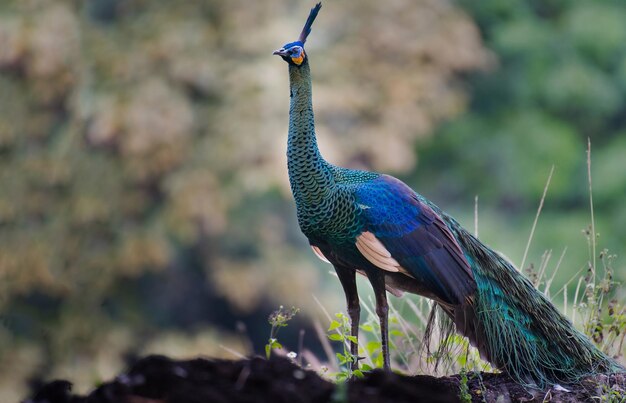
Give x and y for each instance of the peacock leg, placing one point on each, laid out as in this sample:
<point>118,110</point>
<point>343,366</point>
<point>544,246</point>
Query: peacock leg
<point>347,277</point>
<point>377,279</point>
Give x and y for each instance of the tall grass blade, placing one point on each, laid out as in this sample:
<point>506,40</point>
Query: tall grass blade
<point>532,230</point>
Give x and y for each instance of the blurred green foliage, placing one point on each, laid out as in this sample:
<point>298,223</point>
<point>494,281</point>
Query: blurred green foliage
<point>144,203</point>
<point>559,80</point>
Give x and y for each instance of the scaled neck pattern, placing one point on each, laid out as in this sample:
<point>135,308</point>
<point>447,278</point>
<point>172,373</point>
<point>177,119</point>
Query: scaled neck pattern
<point>309,175</point>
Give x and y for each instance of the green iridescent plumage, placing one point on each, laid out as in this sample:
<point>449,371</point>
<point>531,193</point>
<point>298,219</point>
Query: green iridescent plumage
<point>518,329</point>
<point>374,224</point>
<point>322,191</point>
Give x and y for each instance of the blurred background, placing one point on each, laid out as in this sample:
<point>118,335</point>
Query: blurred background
<point>144,201</point>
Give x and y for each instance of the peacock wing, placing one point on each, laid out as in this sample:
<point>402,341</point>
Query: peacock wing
<point>401,233</point>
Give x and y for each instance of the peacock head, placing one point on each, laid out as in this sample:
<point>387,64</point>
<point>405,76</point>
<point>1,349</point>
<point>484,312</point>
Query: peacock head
<point>293,52</point>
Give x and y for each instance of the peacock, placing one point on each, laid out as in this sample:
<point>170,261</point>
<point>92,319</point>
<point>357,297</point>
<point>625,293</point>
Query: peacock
<point>375,225</point>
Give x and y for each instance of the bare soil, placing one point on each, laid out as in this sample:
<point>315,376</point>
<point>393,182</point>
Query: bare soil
<point>158,379</point>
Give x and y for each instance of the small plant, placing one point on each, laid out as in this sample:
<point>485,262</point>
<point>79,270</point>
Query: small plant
<point>603,318</point>
<point>372,346</point>
<point>405,335</point>
<point>339,330</point>
<point>278,319</point>
<point>464,394</point>
<point>611,394</point>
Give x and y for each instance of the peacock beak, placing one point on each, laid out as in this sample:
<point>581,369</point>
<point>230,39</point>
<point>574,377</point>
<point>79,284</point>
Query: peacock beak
<point>280,52</point>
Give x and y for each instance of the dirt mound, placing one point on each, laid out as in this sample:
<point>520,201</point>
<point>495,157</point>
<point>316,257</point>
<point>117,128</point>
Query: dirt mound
<point>158,379</point>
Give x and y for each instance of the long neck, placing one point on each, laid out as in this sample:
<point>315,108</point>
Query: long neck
<point>309,174</point>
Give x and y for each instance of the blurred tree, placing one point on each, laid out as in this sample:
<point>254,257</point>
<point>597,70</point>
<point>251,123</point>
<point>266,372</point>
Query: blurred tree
<point>142,170</point>
<point>559,80</point>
